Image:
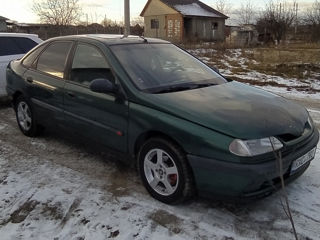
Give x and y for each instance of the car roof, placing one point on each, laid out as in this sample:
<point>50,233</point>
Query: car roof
<point>5,34</point>
<point>111,39</point>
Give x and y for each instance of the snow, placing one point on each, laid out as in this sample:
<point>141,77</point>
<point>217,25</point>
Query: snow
<point>194,10</point>
<point>199,51</point>
<point>234,63</point>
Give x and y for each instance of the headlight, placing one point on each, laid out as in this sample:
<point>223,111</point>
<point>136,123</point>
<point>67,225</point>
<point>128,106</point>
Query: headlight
<point>248,148</point>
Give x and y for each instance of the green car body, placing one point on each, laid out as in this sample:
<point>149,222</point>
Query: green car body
<point>203,122</point>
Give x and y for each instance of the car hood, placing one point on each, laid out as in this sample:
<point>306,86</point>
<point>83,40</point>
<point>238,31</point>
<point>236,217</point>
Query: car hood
<point>234,109</point>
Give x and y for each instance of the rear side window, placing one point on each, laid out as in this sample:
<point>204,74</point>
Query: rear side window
<point>29,60</point>
<point>53,59</point>
<point>15,45</point>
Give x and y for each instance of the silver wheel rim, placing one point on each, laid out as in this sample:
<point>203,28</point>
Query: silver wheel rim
<point>161,172</point>
<point>24,116</point>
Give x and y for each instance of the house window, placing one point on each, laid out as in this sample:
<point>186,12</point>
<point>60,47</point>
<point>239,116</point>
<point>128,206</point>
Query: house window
<point>176,28</point>
<point>170,28</point>
<point>215,26</point>
<point>154,24</point>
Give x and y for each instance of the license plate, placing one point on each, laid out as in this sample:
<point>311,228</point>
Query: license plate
<point>303,160</point>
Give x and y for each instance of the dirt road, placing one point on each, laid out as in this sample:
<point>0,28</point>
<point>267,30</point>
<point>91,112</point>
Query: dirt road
<point>55,188</point>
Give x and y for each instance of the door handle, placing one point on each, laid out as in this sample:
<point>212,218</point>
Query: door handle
<point>70,94</point>
<point>29,79</point>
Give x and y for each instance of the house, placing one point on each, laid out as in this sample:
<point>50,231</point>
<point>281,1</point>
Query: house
<point>244,35</point>
<point>3,24</point>
<point>183,20</point>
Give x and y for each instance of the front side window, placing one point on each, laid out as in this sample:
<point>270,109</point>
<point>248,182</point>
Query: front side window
<point>89,64</point>
<point>160,68</point>
<point>53,59</point>
<point>15,45</point>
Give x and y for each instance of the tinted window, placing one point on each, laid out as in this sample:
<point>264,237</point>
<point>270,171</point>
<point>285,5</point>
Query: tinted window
<point>89,64</point>
<point>25,44</point>
<point>53,59</point>
<point>15,45</point>
<point>32,56</point>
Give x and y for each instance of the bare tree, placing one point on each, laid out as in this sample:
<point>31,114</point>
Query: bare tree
<point>223,6</point>
<point>137,21</point>
<point>313,14</point>
<point>108,22</point>
<point>247,13</point>
<point>313,19</point>
<point>57,12</point>
<point>277,18</point>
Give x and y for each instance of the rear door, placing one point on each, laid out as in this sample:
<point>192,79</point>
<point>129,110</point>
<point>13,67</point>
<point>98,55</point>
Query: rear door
<point>99,116</point>
<point>45,81</point>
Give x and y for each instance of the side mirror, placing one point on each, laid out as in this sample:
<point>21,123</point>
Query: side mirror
<point>102,85</point>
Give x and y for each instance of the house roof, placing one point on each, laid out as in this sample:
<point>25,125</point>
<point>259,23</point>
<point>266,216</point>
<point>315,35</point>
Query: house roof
<point>3,18</point>
<point>190,8</point>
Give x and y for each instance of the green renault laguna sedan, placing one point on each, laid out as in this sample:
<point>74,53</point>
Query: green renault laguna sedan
<point>188,129</point>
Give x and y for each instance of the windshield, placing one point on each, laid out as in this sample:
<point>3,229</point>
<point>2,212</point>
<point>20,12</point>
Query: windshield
<point>159,68</point>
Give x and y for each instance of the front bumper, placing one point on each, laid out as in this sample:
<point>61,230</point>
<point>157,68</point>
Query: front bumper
<point>219,179</point>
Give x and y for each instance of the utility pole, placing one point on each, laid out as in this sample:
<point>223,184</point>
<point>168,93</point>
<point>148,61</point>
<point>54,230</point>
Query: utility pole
<point>127,17</point>
<point>296,23</point>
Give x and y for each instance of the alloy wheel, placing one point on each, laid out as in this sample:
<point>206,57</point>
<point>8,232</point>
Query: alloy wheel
<point>161,172</point>
<point>24,116</point>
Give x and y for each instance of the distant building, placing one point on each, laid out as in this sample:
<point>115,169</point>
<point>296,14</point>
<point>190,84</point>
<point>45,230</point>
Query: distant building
<point>3,24</point>
<point>244,35</point>
<point>182,20</point>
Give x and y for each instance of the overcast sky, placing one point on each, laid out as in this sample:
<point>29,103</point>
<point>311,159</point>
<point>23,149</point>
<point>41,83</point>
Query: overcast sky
<point>20,10</point>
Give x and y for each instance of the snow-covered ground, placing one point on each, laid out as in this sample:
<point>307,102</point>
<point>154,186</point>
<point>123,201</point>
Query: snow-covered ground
<point>237,64</point>
<point>55,188</point>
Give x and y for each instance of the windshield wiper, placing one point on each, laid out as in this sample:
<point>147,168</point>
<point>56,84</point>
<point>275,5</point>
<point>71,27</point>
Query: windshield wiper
<point>172,89</point>
<point>182,87</point>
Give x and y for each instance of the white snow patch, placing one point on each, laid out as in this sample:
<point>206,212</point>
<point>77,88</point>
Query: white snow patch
<point>226,64</point>
<point>2,126</point>
<point>38,144</point>
<point>202,51</point>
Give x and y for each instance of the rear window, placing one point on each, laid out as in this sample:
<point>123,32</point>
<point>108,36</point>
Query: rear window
<point>15,45</point>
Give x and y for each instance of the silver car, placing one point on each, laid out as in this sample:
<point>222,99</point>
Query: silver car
<point>14,46</point>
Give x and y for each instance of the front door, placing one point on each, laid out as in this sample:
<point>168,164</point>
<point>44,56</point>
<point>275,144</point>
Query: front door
<point>99,116</point>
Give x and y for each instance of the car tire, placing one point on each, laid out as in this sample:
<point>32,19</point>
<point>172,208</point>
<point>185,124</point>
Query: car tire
<point>165,172</point>
<point>25,117</point>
